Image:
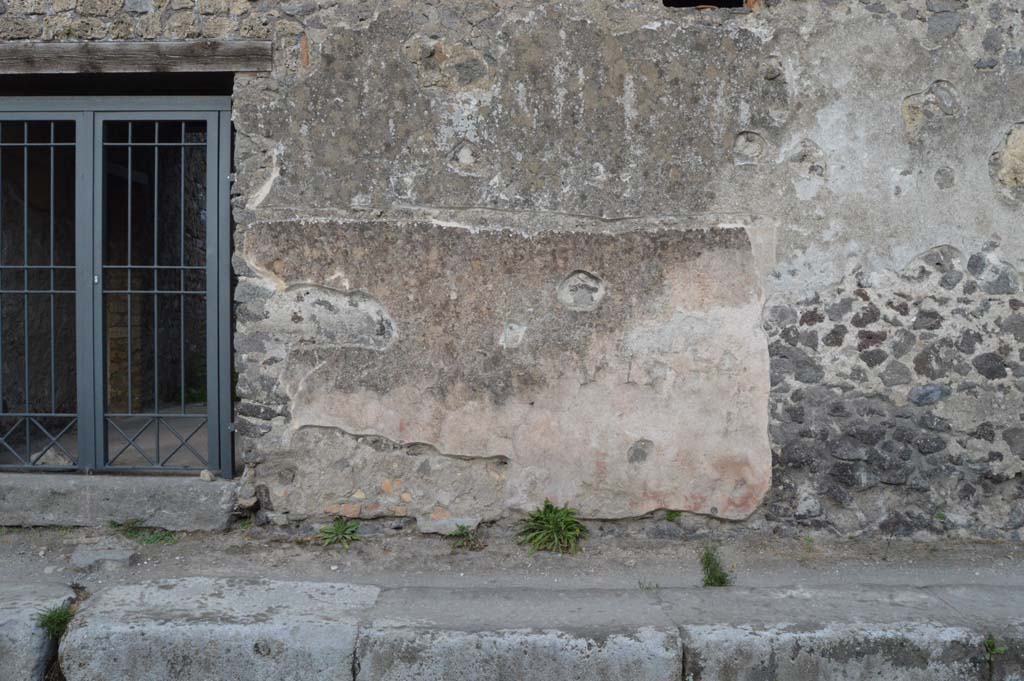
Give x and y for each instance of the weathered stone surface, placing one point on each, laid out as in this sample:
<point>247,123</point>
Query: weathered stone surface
<point>327,472</point>
<point>554,352</point>
<point>411,655</point>
<point>25,649</point>
<point>1007,165</point>
<point>110,553</point>
<point>911,652</point>
<point>465,634</point>
<point>185,628</point>
<point>95,501</point>
<point>196,629</point>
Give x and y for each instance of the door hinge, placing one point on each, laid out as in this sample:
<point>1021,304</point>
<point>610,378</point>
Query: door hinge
<point>231,427</point>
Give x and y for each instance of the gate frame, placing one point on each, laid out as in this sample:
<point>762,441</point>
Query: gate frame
<point>89,113</point>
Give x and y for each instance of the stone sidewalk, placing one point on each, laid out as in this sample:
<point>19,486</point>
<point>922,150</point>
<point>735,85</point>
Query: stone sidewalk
<point>209,629</point>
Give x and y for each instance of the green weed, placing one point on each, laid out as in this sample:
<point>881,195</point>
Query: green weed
<point>55,621</point>
<point>465,538</point>
<point>715,573</point>
<point>992,650</point>
<point>553,528</point>
<point>341,531</point>
<point>673,516</point>
<point>133,529</point>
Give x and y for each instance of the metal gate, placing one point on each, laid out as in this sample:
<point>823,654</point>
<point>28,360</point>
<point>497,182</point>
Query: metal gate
<point>114,284</point>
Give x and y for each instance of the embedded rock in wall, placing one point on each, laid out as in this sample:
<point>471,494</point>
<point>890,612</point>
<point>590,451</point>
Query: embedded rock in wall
<point>619,373</point>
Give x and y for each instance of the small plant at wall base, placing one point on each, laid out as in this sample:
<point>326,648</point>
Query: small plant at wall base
<point>711,566</point>
<point>553,528</point>
<point>341,531</point>
<point>465,538</point>
<point>673,516</point>
<point>133,529</point>
<point>992,650</point>
<point>55,621</point>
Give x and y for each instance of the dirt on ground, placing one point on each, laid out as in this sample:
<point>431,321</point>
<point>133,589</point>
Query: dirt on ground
<point>407,559</point>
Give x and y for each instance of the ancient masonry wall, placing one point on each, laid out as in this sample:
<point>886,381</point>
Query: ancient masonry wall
<point>787,238</point>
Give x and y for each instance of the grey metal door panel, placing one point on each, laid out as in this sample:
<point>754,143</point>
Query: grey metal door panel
<point>152,327</point>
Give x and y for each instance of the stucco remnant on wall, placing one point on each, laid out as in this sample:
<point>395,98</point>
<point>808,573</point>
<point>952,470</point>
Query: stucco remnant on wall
<point>618,373</point>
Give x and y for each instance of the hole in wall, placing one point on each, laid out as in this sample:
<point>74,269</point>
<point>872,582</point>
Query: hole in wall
<point>704,3</point>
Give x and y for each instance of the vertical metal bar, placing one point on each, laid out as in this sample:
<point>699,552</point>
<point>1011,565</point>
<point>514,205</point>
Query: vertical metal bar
<point>181,262</point>
<point>86,180</point>
<point>91,234</point>
<point>1,274</point>
<point>130,271</point>
<point>53,344</point>
<point>156,287</point>
<point>225,448</point>
<point>24,278</point>
<point>212,218</point>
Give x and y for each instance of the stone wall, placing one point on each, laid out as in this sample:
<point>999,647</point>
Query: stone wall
<point>871,153</point>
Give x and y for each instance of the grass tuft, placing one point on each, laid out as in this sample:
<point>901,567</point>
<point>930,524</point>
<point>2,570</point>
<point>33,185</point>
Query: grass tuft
<point>341,531</point>
<point>465,538</point>
<point>553,528</point>
<point>715,573</point>
<point>133,529</point>
<point>673,516</point>
<point>55,621</point>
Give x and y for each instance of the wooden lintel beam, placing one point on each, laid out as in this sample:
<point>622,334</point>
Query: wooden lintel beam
<point>135,57</point>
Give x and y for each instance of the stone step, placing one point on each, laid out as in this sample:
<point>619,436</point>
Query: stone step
<point>171,503</point>
<point>214,628</point>
<point>25,649</point>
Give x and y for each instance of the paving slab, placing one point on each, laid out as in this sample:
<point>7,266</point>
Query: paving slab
<point>25,649</point>
<point>189,504</point>
<point>207,629</point>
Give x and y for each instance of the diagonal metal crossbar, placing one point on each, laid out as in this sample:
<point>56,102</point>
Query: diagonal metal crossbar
<point>54,441</point>
<point>131,442</point>
<point>184,441</point>
<point>3,441</point>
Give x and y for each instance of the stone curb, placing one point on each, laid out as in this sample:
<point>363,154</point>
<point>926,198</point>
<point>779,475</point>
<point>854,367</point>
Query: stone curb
<point>209,629</point>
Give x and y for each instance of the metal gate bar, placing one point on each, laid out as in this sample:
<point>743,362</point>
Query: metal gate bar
<point>29,135</point>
